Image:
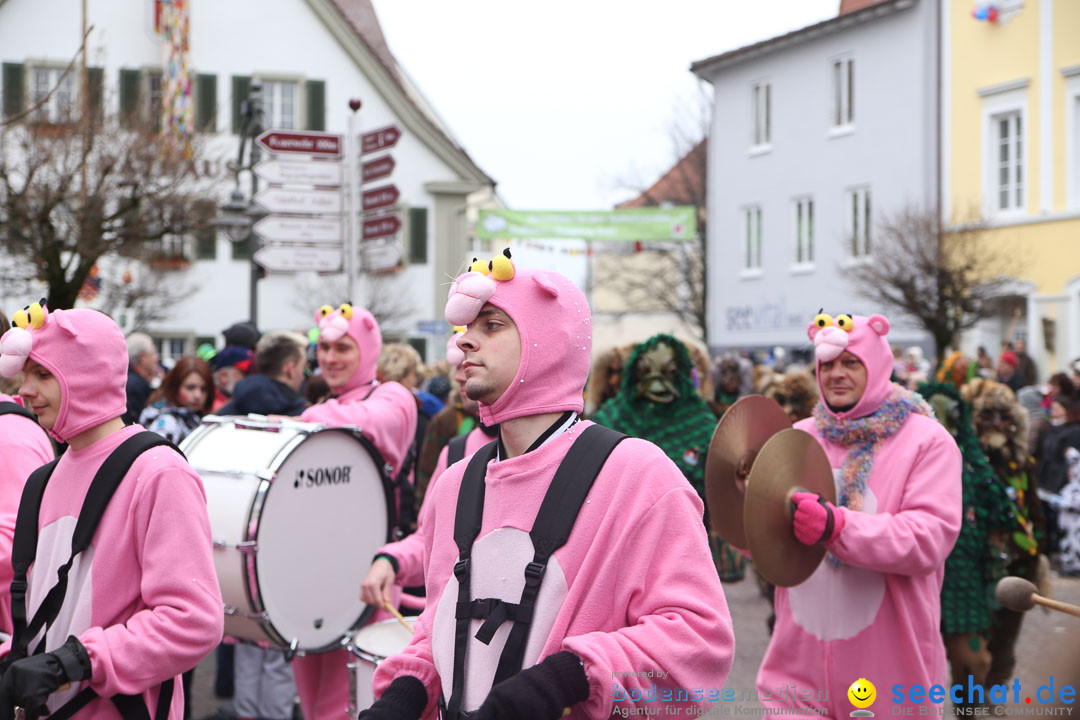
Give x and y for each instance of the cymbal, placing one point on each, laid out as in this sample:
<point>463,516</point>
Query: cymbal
<point>739,436</point>
<point>791,461</point>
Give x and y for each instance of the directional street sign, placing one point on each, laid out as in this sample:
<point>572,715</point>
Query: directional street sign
<point>380,139</point>
<point>305,142</point>
<point>380,197</point>
<point>380,255</point>
<point>294,258</point>
<point>289,171</point>
<point>311,202</point>
<point>286,228</point>
<point>377,168</point>
<point>381,226</point>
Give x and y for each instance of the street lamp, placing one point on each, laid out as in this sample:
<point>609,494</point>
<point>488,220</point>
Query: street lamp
<point>238,215</point>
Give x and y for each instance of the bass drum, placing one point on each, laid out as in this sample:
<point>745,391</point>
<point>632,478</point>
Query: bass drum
<point>296,510</point>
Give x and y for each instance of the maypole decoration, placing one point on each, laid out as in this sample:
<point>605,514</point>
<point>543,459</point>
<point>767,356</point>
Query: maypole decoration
<point>178,114</point>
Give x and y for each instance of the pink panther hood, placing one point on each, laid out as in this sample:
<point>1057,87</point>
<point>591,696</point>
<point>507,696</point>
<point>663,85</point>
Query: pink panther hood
<point>85,351</point>
<point>362,328</point>
<point>555,326</point>
<point>867,341</point>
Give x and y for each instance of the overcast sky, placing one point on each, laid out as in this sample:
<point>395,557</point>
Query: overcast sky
<point>566,106</point>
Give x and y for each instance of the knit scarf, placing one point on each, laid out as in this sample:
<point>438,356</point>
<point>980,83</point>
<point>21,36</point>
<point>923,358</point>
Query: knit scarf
<point>863,436</point>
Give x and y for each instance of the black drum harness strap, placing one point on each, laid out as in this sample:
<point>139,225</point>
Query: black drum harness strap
<point>24,549</point>
<point>559,510</point>
<point>10,408</point>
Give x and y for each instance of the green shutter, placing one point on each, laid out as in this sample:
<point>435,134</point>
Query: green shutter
<point>96,90</point>
<point>418,235</point>
<point>420,345</point>
<point>205,233</point>
<point>316,104</point>
<point>241,86</point>
<point>130,85</point>
<point>205,103</point>
<point>14,89</point>
<point>242,250</point>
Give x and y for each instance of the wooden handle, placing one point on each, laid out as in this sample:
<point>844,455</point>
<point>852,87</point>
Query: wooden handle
<point>1056,605</point>
<point>393,611</point>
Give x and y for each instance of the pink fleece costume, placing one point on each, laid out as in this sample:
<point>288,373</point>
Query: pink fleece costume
<point>631,592</point>
<point>24,447</point>
<point>387,417</point>
<point>143,598</point>
<point>876,613</point>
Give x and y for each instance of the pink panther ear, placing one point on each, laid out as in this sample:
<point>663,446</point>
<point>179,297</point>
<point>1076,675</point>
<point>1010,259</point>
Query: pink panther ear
<point>64,322</point>
<point>369,322</point>
<point>546,285</point>
<point>879,324</point>
<point>812,330</point>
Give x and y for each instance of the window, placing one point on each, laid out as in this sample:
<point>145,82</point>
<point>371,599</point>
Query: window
<point>843,92</point>
<point>57,108</point>
<point>418,235</point>
<point>762,102</point>
<point>859,222</point>
<point>1008,161</point>
<point>280,104</point>
<point>154,100</point>
<point>752,223</point>
<point>804,231</point>
<point>1073,143</point>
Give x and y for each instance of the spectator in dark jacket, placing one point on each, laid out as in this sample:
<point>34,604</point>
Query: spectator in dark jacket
<point>1064,432</point>
<point>280,362</point>
<point>143,370</point>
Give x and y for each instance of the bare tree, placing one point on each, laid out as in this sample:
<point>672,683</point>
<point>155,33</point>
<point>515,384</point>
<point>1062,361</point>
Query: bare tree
<point>146,296</point>
<point>74,191</point>
<point>384,295</point>
<point>945,281</point>
<point>668,277</point>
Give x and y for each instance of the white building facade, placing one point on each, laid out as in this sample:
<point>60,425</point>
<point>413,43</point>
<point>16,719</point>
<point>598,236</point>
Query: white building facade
<point>816,134</point>
<point>311,56</point>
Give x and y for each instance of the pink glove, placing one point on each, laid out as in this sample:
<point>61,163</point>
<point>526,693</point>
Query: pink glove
<point>816,519</point>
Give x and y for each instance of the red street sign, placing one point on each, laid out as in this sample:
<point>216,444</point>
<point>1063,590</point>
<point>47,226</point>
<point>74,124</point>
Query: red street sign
<point>382,226</point>
<point>380,197</point>
<point>377,168</point>
<point>300,141</point>
<point>380,139</point>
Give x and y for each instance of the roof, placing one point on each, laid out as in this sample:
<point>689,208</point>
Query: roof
<point>853,12</point>
<point>360,17</point>
<point>683,184</point>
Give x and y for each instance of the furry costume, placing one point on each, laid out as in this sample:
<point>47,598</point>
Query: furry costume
<point>1002,427</point>
<point>681,428</point>
<point>605,379</point>
<point>974,566</point>
<point>793,391</point>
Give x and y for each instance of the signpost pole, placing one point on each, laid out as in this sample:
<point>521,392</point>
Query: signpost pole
<point>352,234</point>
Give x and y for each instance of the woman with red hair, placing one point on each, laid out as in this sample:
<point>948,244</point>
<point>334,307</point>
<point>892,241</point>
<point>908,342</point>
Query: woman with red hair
<point>186,394</point>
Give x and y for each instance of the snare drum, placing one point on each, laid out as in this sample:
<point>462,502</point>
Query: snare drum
<point>370,646</point>
<point>297,510</point>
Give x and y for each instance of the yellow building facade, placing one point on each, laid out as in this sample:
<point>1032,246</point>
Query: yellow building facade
<point>1011,157</point>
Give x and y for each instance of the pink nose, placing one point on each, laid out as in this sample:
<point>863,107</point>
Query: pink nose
<point>830,343</point>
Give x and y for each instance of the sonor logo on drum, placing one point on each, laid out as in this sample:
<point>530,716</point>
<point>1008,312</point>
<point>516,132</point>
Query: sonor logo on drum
<point>317,477</point>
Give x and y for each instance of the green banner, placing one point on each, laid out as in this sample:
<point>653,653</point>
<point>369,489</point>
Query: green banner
<point>646,224</point>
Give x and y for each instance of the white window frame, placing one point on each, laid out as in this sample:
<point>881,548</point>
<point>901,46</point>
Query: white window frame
<point>1072,138</point>
<point>842,95</point>
<point>859,223</point>
<point>751,240</point>
<point>54,111</point>
<point>802,233</point>
<point>995,106</point>
<point>760,117</point>
<point>272,95</point>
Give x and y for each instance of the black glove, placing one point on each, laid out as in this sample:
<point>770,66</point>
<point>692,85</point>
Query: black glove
<point>29,682</point>
<point>404,699</point>
<point>541,692</point>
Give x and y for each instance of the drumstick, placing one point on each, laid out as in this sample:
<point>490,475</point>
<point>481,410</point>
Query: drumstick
<point>393,611</point>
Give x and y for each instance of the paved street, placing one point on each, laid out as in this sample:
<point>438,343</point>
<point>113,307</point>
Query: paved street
<point>1048,646</point>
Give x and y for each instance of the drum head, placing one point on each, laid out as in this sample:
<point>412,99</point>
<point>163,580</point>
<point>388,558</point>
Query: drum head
<point>381,639</point>
<point>325,514</point>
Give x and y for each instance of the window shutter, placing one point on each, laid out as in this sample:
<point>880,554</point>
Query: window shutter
<point>205,103</point>
<point>129,96</point>
<point>241,86</point>
<point>418,235</point>
<point>316,104</point>
<point>14,89</point>
<point>95,88</point>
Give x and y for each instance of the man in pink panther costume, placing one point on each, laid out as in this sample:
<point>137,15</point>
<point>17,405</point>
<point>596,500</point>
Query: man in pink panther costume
<point>349,344</point>
<point>872,609</point>
<point>630,607</point>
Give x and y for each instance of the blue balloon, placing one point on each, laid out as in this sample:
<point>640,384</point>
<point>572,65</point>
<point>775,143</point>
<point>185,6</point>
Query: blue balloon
<point>981,13</point>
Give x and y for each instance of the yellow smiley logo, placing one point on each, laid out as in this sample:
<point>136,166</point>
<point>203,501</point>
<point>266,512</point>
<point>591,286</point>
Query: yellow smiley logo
<point>862,693</point>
